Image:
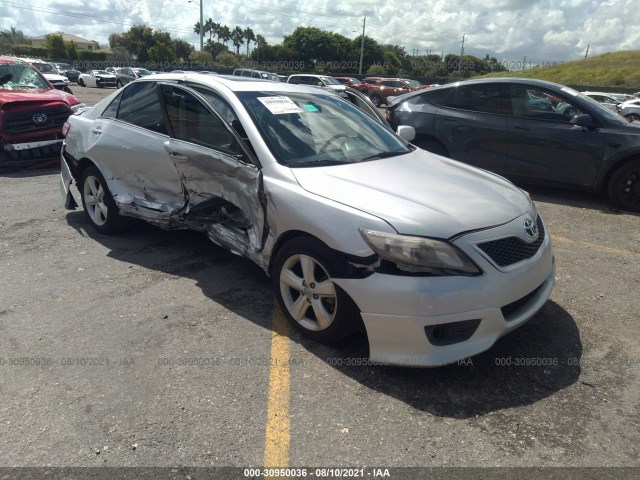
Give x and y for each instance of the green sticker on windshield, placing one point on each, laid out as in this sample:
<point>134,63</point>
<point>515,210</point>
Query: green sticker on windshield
<point>310,107</point>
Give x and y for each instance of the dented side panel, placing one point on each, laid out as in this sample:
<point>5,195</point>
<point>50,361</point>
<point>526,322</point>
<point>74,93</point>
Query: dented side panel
<point>222,193</point>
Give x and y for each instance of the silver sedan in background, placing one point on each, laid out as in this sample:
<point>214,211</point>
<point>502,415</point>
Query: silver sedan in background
<point>357,228</point>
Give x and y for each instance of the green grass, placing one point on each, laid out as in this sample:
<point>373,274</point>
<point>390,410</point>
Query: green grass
<point>612,70</point>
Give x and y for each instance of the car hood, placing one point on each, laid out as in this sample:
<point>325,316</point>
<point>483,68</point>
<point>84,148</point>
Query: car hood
<point>420,193</point>
<point>41,95</point>
<point>55,77</point>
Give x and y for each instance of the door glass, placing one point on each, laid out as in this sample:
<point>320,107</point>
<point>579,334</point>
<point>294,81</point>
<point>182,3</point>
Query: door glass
<point>112,110</point>
<point>480,98</point>
<point>541,104</point>
<point>140,106</point>
<point>193,122</point>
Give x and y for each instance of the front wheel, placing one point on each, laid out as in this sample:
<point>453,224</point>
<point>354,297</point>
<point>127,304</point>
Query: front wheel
<point>98,84</point>
<point>98,204</point>
<point>302,279</point>
<point>633,117</point>
<point>624,186</point>
<point>118,84</point>
<point>81,82</point>
<point>376,100</point>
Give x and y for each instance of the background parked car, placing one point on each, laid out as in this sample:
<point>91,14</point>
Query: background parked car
<point>68,71</point>
<point>605,99</point>
<point>52,75</point>
<point>126,75</point>
<point>323,81</point>
<point>97,78</point>
<point>630,110</point>
<point>499,125</point>
<point>259,74</point>
<point>349,81</point>
<point>32,114</point>
<point>380,89</point>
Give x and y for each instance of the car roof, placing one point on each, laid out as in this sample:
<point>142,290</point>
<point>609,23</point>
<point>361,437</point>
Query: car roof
<point>232,82</point>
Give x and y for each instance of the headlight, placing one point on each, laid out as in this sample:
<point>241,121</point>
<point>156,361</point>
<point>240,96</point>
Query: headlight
<point>418,254</point>
<point>77,106</point>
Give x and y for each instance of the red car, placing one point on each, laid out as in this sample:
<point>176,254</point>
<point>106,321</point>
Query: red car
<point>32,114</point>
<point>380,89</point>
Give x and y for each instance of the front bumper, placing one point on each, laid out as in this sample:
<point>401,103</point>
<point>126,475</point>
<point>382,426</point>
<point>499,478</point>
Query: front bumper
<point>399,312</point>
<point>20,155</point>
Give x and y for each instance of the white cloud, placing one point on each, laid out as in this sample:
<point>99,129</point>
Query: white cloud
<point>543,30</point>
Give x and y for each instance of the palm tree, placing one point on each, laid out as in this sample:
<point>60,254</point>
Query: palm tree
<point>196,28</point>
<point>237,37</point>
<point>261,41</point>
<point>215,29</point>
<point>249,36</point>
<point>208,27</point>
<point>225,34</point>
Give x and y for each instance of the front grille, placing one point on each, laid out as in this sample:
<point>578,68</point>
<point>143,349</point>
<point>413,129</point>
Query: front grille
<point>513,307</point>
<point>510,250</point>
<point>21,122</point>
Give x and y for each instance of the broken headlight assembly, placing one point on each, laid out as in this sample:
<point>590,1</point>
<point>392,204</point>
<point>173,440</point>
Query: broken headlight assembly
<point>419,255</point>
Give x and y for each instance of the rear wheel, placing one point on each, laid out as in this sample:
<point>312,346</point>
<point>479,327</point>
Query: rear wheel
<point>633,117</point>
<point>98,204</point>
<point>376,100</point>
<point>302,279</point>
<point>624,186</point>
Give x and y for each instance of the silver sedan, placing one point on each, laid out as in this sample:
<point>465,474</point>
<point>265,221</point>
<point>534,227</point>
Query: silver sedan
<point>357,228</point>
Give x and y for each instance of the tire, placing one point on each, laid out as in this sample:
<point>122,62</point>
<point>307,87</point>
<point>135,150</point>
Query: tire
<point>98,204</point>
<point>118,84</point>
<point>432,145</point>
<point>633,117</point>
<point>81,82</point>
<point>99,84</point>
<point>318,309</point>
<point>624,186</point>
<point>376,100</point>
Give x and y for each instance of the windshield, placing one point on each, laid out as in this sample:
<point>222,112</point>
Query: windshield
<point>303,129</point>
<point>101,72</point>
<point>20,76</point>
<point>143,72</point>
<point>329,81</point>
<point>414,83</point>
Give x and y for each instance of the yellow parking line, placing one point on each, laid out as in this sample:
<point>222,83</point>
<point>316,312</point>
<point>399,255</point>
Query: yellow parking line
<point>278,434</point>
<point>594,246</point>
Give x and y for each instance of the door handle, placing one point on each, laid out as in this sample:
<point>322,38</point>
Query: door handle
<point>177,157</point>
<point>97,130</point>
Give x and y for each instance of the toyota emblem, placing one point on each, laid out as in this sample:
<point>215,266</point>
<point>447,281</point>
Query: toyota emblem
<point>39,118</point>
<point>531,228</point>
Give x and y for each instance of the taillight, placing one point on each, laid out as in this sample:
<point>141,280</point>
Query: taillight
<point>65,129</point>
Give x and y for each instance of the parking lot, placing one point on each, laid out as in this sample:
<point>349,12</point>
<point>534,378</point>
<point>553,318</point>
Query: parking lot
<point>156,348</point>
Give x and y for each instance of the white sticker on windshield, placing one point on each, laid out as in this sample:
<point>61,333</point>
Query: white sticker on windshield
<point>280,105</point>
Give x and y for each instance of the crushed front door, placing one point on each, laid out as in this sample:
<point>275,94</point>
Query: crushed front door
<point>220,179</point>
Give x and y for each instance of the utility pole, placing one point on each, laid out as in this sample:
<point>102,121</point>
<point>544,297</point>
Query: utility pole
<point>364,23</point>
<point>461,54</point>
<point>587,54</point>
<point>524,60</point>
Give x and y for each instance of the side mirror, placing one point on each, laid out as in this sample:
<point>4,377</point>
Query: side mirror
<point>406,132</point>
<point>583,121</point>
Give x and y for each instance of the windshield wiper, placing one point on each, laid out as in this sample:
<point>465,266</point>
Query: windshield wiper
<point>316,163</point>
<point>380,155</point>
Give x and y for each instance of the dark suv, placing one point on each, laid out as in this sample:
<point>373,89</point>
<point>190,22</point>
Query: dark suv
<point>510,126</point>
<point>32,114</point>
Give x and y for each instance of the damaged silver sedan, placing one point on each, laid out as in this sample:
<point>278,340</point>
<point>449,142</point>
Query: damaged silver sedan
<point>356,227</point>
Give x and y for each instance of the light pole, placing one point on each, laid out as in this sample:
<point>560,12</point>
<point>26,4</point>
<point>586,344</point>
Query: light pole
<point>201,25</point>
